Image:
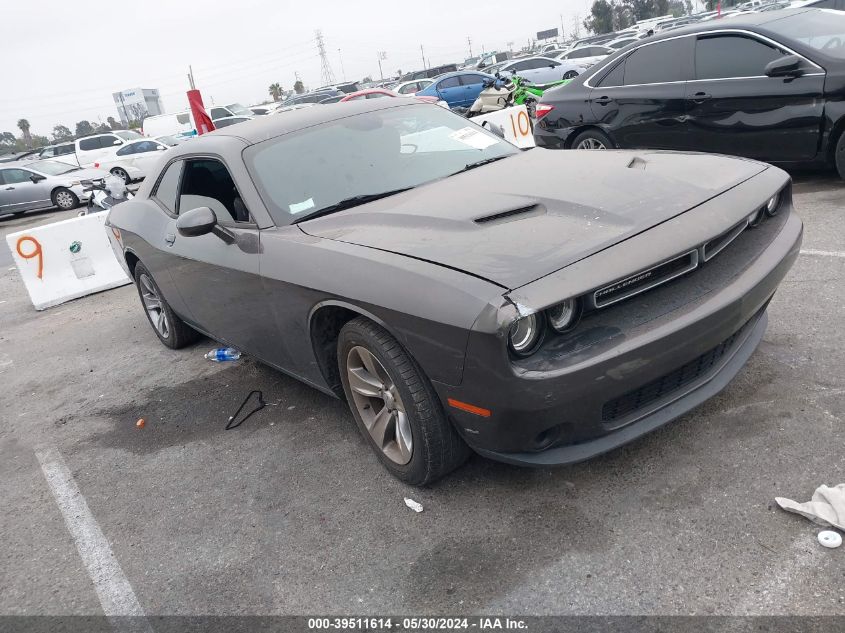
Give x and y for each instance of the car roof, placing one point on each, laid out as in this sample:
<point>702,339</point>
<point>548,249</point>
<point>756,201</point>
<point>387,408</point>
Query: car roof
<point>742,21</point>
<point>266,127</point>
<point>456,73</point>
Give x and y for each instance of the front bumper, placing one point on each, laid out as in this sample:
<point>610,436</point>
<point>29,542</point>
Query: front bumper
<point>584,397</point>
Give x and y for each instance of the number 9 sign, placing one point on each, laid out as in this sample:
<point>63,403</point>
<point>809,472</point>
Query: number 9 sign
<point>35,252</point>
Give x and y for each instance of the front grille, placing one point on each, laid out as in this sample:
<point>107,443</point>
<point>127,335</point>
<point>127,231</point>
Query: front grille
<point>719,243</point>
<point>665,385</point>
<point>645,279</point>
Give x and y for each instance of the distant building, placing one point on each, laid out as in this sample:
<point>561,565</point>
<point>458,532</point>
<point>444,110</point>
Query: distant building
<point>136,103</point>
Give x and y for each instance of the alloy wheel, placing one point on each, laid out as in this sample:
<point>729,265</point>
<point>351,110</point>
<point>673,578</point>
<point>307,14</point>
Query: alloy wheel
<point>590,143</point>
<point>377,401</point>
<point>120,173</point>
<point>153,306</point>
<point>64,200</point>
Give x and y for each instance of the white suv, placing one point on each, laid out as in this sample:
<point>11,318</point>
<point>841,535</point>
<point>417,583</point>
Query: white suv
<point>99,147</point>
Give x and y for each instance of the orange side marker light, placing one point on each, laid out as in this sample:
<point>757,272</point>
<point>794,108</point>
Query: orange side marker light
<point>469,408</point>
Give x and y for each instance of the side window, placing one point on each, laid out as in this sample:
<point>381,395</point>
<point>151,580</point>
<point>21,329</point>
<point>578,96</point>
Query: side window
<point>183,118</point>
<point>732,56</point>
<point>657,63</point>
<point>472,80</point>
<point>168,185</point>
<point>15,176</point>
<point>207,183</point>
<point>578,52</point>
<point>217,113</point>
<point>63,150</point>
<point>615,77</point>
<point>108,141</point>
<point>449,82</point>
<point>87,144</point>
<point>520,66</point>
<point>145,146</point>
<point>48,153</point>
<point>127,149</point>
<point>408,88</point>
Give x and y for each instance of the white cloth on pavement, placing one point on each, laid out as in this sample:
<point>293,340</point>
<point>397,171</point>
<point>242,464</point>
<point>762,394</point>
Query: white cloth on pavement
<point>827,507</point>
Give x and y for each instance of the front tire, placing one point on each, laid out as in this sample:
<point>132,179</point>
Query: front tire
<point>570,74</point>
<point>65,199</point>
<point>172,331</point>
<point>395,406</point>
<point>122,173</point>
<point>592,139</point>
<point>839,156</point>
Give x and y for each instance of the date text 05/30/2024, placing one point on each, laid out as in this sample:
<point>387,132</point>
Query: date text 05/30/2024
<point>417,624</point>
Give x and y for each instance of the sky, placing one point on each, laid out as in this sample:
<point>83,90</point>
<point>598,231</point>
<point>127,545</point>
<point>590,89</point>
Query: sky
<point>65,58</point>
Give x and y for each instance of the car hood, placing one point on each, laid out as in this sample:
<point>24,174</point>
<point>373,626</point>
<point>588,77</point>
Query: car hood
<point>88,173</point>
<point>522,218</point>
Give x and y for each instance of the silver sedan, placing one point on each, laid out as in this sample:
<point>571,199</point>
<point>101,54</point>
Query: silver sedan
<point>28,186</point>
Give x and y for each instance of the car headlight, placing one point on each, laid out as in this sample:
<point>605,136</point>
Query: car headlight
<point>772,205</point>
<point>525,334</point>
<point>563,315</point>
<point>74,183</point>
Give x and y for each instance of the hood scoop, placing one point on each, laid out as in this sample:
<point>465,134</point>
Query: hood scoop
<point>511,215</point>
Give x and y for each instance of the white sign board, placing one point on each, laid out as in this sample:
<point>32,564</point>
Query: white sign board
<point>66,260</point>
<point>514,122</point>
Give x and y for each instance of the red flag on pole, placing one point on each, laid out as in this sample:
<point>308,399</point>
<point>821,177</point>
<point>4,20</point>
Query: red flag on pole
<point>201,118</point>
<point>719,9</point>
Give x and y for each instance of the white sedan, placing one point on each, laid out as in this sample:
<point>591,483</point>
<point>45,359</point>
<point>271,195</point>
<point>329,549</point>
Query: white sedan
<point>411,87</point>
<point>542,70</point>
<point>134,160</point>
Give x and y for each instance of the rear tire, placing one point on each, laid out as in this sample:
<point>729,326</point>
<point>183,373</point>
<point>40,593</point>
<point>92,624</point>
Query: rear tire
<point>65,199</point>
<point>592,139</point>
<point>172,331</point>
<point>839,156</point>
<point>431,447</point>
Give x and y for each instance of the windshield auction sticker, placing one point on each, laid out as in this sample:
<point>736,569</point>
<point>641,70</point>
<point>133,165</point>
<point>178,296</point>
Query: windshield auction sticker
<point>472,137</point>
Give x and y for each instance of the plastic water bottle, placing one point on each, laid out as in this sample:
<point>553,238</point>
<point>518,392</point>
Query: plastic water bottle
<point>222,354</point>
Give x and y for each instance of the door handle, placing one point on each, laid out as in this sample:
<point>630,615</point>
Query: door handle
<point>10,188</point>
<point>603,100</point>
<point>170,238</point>
<point>698,97</point>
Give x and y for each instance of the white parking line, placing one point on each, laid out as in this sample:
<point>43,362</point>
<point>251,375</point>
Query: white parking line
<point>113,589</point>
<point>810,251</point>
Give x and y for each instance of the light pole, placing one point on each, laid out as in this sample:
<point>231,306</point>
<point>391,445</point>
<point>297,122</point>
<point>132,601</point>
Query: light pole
<point>342,71</point>
<point>381,55</point>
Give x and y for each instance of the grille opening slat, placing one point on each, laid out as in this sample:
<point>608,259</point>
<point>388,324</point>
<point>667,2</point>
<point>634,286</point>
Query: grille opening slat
<point>720,242</point>
<point>534,208</point>
<point>667,384</point>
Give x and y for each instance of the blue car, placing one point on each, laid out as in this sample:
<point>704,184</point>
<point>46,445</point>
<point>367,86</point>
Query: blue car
<point>458,89</point>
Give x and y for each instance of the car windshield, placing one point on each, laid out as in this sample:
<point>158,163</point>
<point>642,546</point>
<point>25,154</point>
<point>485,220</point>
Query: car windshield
<point>128,135</point>
<point>52,167</point>
<point>821,29</point>
<point>237,108</point>
<point>367,154</point>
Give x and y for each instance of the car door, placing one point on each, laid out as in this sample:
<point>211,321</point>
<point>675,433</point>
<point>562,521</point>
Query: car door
<point>217,278</point>
<point>451,91</point>
<point>20,193</point>
<point>473,84</point>
<point>639,101</point>
<point>734,108</point>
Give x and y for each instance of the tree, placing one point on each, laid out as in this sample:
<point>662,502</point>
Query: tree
<point>645,9</point>
<point>84,128</point>
<point>367,80</point>
<point>114,125</point>
<point>601,18</point>
<point>7,138</point>
<point>23,126</point>
<point>61,133</point>
<point>299,87</point>
<point>275,91</point>
<point>39,141</point>
<point>137,112</point>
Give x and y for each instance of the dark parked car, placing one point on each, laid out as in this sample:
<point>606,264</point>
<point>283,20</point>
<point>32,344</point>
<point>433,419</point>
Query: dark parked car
<point>458,292</point>
<point>769,86</point>
<point>428,73</point>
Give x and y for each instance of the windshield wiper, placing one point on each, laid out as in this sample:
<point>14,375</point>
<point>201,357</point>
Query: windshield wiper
<point>348,203</point>
<point>480,163</point>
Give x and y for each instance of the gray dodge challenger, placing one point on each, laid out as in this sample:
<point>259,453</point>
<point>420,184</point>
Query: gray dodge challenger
<point>537,307</point>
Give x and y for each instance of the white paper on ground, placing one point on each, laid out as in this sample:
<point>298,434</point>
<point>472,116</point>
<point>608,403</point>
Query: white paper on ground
<point>416,507</point>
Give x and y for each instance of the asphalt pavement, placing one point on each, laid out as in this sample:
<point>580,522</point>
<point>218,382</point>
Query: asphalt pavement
<point>290,513</point>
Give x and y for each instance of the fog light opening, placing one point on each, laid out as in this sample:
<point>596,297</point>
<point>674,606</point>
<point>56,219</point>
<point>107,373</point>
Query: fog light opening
<point>545,438</point>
